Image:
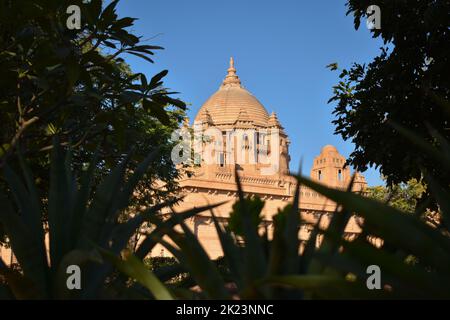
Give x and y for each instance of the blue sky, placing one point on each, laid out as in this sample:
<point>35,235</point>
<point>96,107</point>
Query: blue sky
<point>280,49</point>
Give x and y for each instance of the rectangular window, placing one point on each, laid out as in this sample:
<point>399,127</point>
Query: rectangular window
<point>221,159</point>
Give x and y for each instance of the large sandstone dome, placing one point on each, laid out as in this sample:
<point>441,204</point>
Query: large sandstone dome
<point>232,103</point>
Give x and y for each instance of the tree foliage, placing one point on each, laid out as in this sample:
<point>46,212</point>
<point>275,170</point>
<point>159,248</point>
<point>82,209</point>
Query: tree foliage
<point>77,85</point>
<point>254,205</point>
<point>83,225</point>
<point>408,84</point>
<point>404,196</point>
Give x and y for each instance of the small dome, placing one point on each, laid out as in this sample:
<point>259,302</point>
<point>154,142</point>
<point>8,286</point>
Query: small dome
<point>359,177</point>
<point>329,148</point>
<point>231,100</point>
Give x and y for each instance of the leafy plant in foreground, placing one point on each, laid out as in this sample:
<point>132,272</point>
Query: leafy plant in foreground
<point>414,256</point>
<point>83,229</point>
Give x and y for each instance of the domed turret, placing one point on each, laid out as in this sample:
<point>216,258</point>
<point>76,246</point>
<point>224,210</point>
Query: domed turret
<point>359,183</point>
<point>328,168</point>
<point>329,148</point>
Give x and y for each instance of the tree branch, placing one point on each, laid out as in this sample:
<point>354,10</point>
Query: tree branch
<point>24,125</point>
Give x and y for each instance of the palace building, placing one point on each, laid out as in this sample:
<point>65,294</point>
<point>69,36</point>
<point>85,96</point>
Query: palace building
<point>232,111</point>
<point>243,135</point>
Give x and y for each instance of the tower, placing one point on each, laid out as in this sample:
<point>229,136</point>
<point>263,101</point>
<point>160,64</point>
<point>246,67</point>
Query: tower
<point>329,168</point>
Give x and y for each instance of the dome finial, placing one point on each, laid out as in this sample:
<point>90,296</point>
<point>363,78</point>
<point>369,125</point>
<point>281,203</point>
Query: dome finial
<point>231,79</point>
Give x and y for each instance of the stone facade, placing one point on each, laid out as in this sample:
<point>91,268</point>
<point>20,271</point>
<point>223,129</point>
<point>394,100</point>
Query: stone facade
<point>234,109</point>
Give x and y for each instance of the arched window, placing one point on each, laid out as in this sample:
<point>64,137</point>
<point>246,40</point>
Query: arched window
<point>340,175</point>
<point>246,144</point>
<point>320,175</point>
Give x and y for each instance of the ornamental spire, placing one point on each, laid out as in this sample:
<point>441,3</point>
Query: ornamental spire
<point>231,79</point>
<point>274,122</point>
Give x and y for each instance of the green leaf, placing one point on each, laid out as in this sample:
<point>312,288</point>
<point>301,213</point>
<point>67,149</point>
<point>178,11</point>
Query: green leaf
<point>93,11</point>
<point>157,110</point>
<point>27,200</point>
<point>122,233</point>
<point>291,234</point>
<point>100,208</point>
<point>135,269</point>
<point>197,260</point>
<point>122,200</point>
<point>166,226</point>
<point>25,248</point>
<point>332,66</point>
<point>143,80</point>
<point>108,12</point>
<point>255,260</point>
<point>140,55</point>
<point>124,22</point>
<point>156,80</point>
<point>59,205</point>
<point>231,251</point>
